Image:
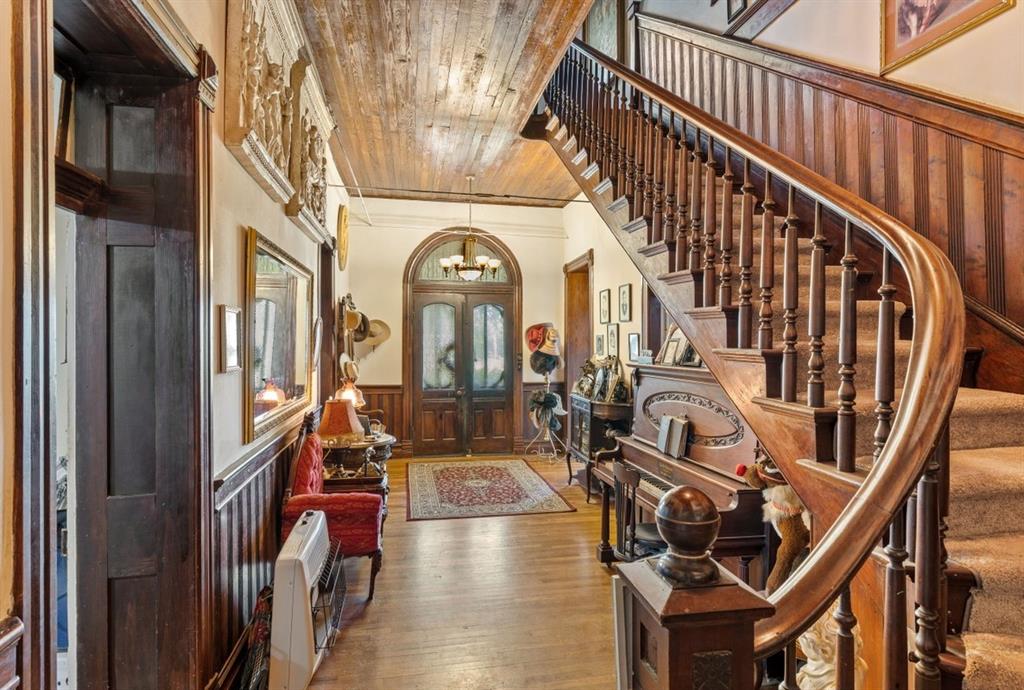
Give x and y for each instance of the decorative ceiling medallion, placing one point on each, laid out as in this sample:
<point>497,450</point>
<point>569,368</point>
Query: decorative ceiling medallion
<point>342,237</point>
<point>730,439</point>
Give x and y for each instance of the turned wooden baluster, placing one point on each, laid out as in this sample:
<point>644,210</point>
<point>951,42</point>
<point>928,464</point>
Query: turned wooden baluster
<point>942,453</point>
<point>608,128</point>
<point>894,670</point>
<point>670,144</point>
<point>710,225</point>
<point>639,161</point>
<point>594,108</point>
<point>789,682</point>
<point>846,415</point>
<point>885,367</point>
<point>608,100</point>
<point>693,261</point>
<point>927,642</point>
<point>629,159</point>
<point>581,95</point>
<point>745,311</point>
<point>649,165</point>
<point>766,279</point>
<point>790,299</point>
<point>621,125</point>
<point>581,105</point>
<point>682,199</point>
<point>816,316</point>
<point>657,144</point>
<point>846,652</point>
<point>600,132</point>
<point>725,279</point>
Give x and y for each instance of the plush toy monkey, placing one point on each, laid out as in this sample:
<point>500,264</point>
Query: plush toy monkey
<point>784,510</point>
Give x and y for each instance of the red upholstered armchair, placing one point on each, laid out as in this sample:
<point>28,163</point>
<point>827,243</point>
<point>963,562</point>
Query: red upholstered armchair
<point>353,519</point>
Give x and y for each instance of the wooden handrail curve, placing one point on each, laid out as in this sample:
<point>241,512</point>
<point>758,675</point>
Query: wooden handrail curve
<point>929,390</point>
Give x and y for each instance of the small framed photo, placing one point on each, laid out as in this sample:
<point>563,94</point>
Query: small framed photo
<point>230,339</point>
<point>626,302</point>
<point>668,353</point>
<point>613,339</point>
<point>634,347</point>
<point>599,345</point>
<point>605,305</point>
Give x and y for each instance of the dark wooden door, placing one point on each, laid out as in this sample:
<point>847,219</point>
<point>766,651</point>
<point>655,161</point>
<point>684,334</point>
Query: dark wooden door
<point>439,384</point>
<point>463,373</point>
<point>487,332</point>
<point>136,430</point>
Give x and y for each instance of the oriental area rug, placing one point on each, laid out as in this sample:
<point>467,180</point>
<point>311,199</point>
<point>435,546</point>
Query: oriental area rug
<point>479,488</point>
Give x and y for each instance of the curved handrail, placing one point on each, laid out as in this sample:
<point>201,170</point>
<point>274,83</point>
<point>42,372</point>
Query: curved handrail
<point>929,389</point>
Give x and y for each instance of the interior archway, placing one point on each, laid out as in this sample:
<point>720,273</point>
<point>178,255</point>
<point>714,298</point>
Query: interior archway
<point>461,368</point>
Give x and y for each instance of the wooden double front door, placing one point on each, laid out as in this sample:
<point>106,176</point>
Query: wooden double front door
<point>463,372</point>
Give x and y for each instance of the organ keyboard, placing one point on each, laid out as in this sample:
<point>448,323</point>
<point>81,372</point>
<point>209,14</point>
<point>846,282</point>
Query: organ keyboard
<point>719,441</point>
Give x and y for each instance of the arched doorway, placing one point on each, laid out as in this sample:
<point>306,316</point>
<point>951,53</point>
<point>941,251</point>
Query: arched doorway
<point>461,369</point>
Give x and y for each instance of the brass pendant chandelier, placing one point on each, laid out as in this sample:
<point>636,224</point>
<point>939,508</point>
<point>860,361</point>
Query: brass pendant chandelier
<point>469,265</point>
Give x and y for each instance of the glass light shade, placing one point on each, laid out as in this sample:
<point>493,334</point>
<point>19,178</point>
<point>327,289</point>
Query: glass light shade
<point>270,394</point>
<point>470,273</point>
<point>446,263</point>
<point>494,264</point>
<point>457,259</point>
<point>348,391</point>
<point>482,258</point>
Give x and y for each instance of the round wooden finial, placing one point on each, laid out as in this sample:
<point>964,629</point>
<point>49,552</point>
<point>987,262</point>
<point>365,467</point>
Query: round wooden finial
<point>688,521</point>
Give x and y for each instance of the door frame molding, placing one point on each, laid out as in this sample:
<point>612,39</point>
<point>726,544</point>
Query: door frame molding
<point>409,285</point>
<point>583,261</point>
<point>34,581</point>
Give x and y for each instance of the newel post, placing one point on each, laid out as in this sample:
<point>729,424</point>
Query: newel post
<point>682,620</point>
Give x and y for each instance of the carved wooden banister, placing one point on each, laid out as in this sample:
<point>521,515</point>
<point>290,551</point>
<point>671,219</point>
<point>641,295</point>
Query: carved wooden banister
<point>652,121</point>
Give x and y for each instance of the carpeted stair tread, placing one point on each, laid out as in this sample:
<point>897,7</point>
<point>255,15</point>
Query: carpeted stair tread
<point>994,662</point>
<point>998,605</point>
<point>986,491</point>
<point>986,419</point>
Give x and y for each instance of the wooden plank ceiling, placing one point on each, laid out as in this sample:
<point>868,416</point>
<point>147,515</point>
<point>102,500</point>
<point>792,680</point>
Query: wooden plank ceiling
<point>426,92</point>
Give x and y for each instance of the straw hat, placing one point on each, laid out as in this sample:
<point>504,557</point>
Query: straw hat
<point>378,333</point>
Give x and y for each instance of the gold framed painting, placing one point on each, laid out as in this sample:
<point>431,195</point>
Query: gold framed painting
<point>911,28</point>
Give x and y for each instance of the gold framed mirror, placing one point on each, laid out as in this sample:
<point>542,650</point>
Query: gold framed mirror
<point>279,326</point>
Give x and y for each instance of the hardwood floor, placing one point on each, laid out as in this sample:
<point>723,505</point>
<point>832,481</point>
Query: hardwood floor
<point>480,603</point>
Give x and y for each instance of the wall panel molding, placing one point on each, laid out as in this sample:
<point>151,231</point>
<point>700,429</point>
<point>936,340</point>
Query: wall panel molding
<point>952,170</point>
<point>247,506</point>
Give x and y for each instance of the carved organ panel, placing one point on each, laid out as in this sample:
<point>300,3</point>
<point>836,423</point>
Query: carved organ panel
<point>277,121</point>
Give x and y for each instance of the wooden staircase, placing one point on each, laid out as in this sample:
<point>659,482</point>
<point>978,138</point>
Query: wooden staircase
<point>798,296</point>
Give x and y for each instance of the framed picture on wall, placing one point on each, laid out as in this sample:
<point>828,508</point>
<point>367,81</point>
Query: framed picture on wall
<point>613,339</point>
<point>626,302</point>
<point>911,28</point>
<point>634,347</point>
<point>230,339</point>
<point>599,345</point>
<point>605,305</point>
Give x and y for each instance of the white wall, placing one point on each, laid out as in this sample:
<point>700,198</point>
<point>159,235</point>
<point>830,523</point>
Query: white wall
<point>612,267</point>
<point>238,202</point>
<point>985,65</point>
<point>380,252</point>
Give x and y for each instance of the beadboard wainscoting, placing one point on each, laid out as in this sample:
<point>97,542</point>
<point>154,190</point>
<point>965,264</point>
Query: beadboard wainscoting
<point>246,539</point>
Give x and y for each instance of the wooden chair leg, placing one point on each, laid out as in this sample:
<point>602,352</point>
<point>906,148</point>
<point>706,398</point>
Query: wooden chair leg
<point>376,559</point>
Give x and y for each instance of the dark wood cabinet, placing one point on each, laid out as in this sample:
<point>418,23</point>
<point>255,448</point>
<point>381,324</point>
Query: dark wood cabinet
<point>593,425</point>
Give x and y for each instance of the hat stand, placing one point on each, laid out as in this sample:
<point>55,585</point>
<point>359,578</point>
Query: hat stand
<point>548,445</point>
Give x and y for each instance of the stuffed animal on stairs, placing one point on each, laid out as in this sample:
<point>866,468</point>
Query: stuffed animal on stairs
<point>784,510</point>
